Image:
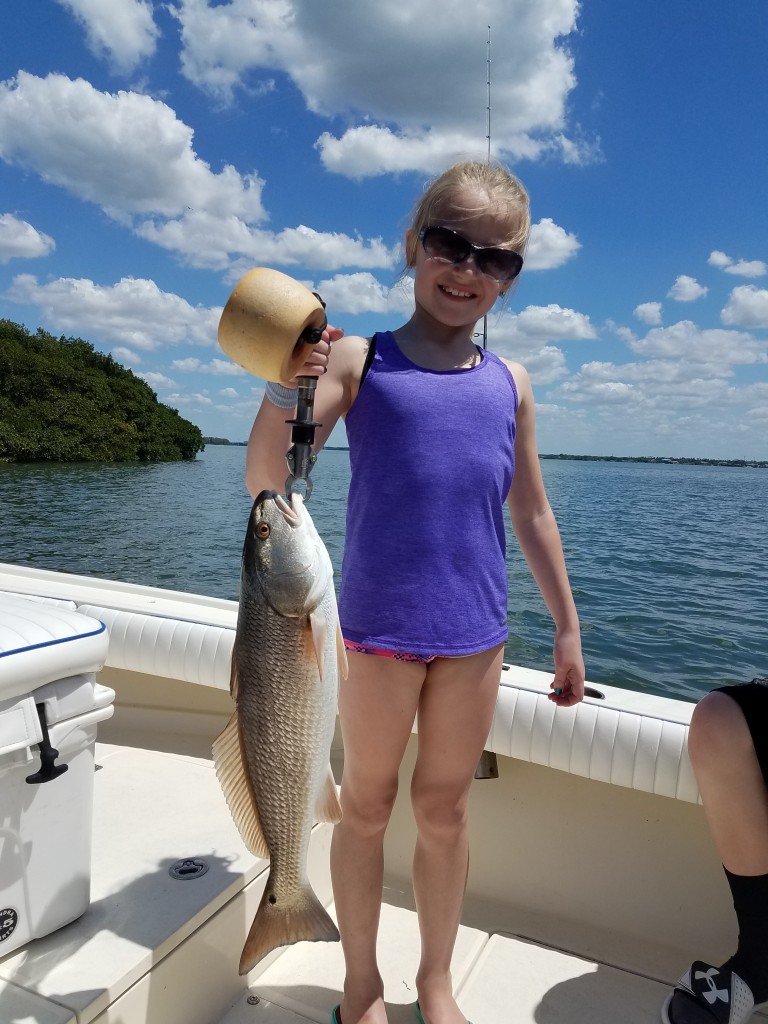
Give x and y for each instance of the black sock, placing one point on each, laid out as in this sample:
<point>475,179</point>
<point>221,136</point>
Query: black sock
<point>750,961</point>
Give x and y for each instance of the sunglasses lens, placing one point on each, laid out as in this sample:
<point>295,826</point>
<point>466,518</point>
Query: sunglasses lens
<point>450,247</point>
<point>442,244</point>
<point>501,264</point>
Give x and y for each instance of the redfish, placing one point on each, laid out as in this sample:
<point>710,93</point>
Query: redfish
<point>273,758</point>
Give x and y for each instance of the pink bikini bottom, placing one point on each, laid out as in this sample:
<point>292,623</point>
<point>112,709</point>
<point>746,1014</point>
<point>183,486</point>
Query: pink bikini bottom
<point>418,659</point>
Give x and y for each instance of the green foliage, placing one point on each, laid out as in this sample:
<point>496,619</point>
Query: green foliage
<point>62,401</point>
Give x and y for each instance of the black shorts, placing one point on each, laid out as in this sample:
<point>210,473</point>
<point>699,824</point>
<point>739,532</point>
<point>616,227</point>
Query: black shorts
<point>752,698</point>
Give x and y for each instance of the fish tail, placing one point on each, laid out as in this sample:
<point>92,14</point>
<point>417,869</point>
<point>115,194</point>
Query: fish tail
<point>303,919</point>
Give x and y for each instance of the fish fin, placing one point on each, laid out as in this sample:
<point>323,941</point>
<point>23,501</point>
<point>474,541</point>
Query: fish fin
<point>303,919</point>
<point>319,626</point>
<point>233,674</point>
<point>341,653</point>
<point>328,807</point>
<point>231,770</point>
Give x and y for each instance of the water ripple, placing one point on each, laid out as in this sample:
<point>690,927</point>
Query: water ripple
<point>669,564</point>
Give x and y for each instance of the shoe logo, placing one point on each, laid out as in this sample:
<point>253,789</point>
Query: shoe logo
<point>714,993</point>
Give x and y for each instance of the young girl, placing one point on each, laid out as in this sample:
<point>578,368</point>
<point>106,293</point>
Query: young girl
<point>441,434</point>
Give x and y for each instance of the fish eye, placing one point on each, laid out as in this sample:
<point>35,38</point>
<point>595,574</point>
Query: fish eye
<point>262,530</point>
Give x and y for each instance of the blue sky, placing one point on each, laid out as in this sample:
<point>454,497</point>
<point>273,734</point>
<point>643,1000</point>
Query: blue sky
<point>150,154</point>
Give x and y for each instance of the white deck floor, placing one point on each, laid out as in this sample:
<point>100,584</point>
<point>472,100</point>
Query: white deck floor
<point>498,978</point>
<point>155,950</point>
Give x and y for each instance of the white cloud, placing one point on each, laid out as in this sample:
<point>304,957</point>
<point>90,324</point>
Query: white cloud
<point>126,152</point>
<point>520,336</point>
<point>368,150</point>
<point>134,312</point>
<point>719,259</point>
<point>649,312</point>
<point>654,387</point>
<point>713,349</point>
<point>216,367</point>
<point>607,392</point>
<point>400,296</point>
<point>397,124</point>
<point>194,401</point>
<point>626,334</point>
<point>228,393</point>
<point>659,404</point>
<point>362,293</point>
<point>553,322</point>
<point>122,30</point>
<point>747,306</point>
<point>545,365</point>
<point>748,268</point>
<point>156,380</point>
<point>658,376</point>
<point>239,39</point>
<point>19,240</point>
<point>205,240</point>
<point>670,406</point>
<point>129,154</point>
<point>549,246</point>
<point>742,268</point>
<point>191,365</point>
<point>585,387</point>
<point>126,356</point>
<point>664,404</point>
<point>686,289</point>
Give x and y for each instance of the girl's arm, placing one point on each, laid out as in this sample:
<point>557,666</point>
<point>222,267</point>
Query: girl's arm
<point>539,539</point>
<point>270,438</point>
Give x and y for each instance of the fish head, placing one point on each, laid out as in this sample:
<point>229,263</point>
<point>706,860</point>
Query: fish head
<point>285,561</point>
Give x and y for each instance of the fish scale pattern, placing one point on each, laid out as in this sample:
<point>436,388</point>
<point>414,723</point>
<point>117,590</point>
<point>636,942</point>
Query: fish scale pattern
<point>281,712</point>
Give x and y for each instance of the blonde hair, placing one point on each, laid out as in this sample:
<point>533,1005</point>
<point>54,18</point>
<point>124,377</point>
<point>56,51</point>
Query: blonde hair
<point>445,197</point>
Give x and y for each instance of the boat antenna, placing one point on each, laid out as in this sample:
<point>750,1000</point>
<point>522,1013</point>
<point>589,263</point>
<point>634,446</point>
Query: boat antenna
<point>488,137</point>
<point>488,84</point>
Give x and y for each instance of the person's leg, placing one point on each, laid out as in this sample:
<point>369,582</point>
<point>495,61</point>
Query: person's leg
<point>377,707</point>
<point>735,798</point>
<point>734,793</point>
<point>731,783</point>
<point>458,699</point>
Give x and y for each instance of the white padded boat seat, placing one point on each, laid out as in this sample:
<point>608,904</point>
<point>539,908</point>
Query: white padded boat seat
<point>194,652</point>
<point>41,642</point>
<point>598,739</point>
<point>603,738</point>
<point>620,737</point>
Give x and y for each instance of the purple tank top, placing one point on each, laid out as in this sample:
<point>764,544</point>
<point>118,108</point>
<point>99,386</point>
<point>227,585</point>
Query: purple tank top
<point>432,456</point>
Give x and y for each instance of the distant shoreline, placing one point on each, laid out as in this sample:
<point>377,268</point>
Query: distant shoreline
<point>657,459</point>
<point>663,461</point>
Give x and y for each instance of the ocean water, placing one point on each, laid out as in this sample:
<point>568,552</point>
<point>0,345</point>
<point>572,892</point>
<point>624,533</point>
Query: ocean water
<point>668,563</point>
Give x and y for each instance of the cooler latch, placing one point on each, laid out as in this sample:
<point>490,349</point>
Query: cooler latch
<point>49,770</point>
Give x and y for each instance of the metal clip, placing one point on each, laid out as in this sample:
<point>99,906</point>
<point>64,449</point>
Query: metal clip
<point>300,457</point>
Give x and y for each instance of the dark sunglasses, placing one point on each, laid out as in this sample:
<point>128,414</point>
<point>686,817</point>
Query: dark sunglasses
<point>449,246</point>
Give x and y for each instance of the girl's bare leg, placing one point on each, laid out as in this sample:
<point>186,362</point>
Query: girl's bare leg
<point>455,713</point>
<point>377,707</point>
<point>732,787</point>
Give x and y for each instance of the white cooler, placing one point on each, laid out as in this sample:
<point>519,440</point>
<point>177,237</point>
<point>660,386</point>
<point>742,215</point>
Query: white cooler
<point>50,704</point>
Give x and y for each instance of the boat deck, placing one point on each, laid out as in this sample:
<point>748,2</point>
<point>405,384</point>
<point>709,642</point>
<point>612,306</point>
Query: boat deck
<point>593,879</point>
<point>153,949</point>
